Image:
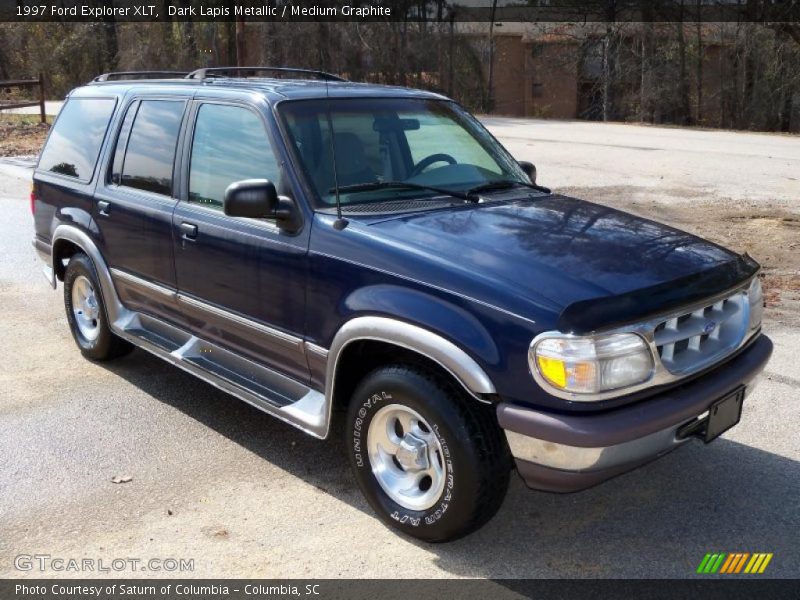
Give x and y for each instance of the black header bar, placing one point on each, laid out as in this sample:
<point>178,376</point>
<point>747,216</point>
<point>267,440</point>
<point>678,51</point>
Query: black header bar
<point>573,11</point>
<point>710,588</point>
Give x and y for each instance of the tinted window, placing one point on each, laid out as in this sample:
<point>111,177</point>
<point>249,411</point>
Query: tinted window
<point>122,142</point>
<point>151,146</point>
<point>420,142</point>
<point>74,143</point>
<point>229,145</point>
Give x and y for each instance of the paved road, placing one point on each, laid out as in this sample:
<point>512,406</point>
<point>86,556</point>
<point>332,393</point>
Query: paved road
<point>243,495</point>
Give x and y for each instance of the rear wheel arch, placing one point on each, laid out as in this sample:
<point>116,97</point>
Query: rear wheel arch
<point>86,311</point>
<point>63,250</point>
<point>69,240</point>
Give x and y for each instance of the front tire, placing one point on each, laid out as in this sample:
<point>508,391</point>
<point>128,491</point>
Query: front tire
<point>86,312</point>
<point>430,460</point>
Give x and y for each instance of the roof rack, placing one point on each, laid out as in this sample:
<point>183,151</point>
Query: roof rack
<point>140,75</point>
<point>212,72</point>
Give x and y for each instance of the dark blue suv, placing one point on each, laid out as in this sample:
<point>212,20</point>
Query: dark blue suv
<point>370,259</point>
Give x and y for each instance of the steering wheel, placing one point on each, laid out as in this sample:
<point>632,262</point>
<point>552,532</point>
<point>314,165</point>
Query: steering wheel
<point>429,160</point>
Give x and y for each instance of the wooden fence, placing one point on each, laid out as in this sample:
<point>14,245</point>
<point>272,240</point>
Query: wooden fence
<point>6,87</point>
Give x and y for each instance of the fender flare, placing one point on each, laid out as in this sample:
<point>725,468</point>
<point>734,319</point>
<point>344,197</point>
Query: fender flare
<point>411,337</point>
<point>116,312</point>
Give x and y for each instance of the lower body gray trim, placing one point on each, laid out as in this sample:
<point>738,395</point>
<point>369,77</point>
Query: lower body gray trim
<point>545,479</point>
<point>283,397</point>
<point>275,334</point>
<point>172,294</point>
<point>574,458</point>
<point>311,411</point>
<point>166,292</point>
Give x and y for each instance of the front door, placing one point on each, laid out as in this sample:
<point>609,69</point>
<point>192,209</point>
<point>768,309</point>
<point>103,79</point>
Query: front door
<point>241,282</point>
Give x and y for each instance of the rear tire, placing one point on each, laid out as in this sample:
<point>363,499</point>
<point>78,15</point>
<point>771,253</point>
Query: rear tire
<point>86,312</point>
<point>431,461</point>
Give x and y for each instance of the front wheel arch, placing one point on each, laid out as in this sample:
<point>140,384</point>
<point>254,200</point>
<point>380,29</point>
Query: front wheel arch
<point>359,357</point>
<point>404,337</point>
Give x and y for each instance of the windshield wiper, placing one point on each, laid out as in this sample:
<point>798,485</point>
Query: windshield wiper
<point>503,184</point>
<point>379,185</point>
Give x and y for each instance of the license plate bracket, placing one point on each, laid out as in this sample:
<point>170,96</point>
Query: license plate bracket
<point>724,414</point>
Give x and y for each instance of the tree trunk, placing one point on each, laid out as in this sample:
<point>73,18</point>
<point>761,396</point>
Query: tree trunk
<point>451,58</point>
<point>646,92</point>
<point>608,74</point>
<point>490,90</point>
<point>241,44</point>
<point>230,46</point>
<point>111,43</point>
<point>404,51</point>
<point>3,68</point>
<point>786,112</point>
<point>684,115</point>
<point>699,68</point>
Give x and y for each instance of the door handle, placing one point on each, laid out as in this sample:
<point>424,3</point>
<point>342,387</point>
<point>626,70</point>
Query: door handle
<point>103,207</point>
<point>189,231</point>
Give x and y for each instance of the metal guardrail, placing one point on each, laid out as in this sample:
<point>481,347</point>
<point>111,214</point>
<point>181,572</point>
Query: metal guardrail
<point>23,84</point>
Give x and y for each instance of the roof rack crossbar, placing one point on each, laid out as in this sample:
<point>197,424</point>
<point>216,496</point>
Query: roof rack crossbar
<point>143,74</point>
<point>211,72</point>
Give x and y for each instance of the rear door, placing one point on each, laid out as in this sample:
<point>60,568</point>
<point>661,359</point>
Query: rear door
<point>241,282</point>
<point>134,204</point>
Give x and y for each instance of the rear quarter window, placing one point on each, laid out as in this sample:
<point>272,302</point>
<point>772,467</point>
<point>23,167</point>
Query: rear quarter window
<point>74,143</point>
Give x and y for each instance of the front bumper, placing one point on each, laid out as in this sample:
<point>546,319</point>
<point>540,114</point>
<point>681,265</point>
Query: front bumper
<point>567,453</point>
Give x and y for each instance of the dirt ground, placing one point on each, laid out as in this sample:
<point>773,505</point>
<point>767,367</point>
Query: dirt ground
<point>771,234</point>
<point>21,135</point>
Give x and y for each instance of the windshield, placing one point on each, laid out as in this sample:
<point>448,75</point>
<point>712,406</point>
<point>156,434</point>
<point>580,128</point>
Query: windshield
<point>422,142</point>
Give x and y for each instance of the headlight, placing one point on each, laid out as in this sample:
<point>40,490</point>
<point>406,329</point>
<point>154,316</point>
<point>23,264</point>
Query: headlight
<point>591,365</point>
<point>755,296</point>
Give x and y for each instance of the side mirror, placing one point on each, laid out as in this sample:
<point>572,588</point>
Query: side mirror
<point>530,170</point>
<point>254,198</point>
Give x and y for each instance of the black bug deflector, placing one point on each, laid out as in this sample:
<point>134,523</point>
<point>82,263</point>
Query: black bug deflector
<point>586,316</point>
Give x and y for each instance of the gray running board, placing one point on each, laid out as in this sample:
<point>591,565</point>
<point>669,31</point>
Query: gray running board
<point>266,389</point>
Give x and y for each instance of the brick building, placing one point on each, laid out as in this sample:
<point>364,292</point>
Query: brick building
<point>556,71</point>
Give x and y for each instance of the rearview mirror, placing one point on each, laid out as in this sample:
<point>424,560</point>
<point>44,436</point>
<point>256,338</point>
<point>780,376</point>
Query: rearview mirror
<point>254,198</point>
<point>386,124</point>
<point>530,170</point>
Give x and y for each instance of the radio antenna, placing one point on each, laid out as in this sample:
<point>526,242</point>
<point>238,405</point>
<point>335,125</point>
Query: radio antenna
<point>340,223</point>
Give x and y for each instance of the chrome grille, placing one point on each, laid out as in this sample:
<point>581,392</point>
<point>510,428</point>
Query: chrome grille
<point>689,342</point>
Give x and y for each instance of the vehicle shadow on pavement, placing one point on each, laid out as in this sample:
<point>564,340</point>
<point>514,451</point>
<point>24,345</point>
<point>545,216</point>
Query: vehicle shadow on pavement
<point>658,521</point>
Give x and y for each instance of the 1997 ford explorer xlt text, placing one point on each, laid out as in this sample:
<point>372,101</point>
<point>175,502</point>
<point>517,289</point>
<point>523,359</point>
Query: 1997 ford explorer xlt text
<point>371,257</point>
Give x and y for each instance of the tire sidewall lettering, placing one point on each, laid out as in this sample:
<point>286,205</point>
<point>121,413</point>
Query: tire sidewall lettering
<point>359,434</point>
<point>360,426</point>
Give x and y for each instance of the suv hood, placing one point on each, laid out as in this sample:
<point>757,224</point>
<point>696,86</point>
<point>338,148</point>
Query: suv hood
<point>565,250</point>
